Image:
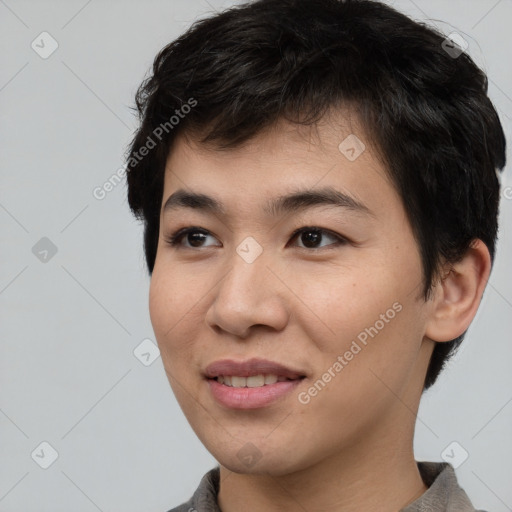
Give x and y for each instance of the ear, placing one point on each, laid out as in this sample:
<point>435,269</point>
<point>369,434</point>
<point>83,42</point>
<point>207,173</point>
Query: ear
<point>458,293</point>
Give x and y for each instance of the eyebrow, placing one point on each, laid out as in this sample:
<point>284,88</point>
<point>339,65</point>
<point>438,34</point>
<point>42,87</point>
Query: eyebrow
<point>288,203</point>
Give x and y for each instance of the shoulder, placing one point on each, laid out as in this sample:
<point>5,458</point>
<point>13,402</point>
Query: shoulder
<point>444,493</point>
<point>204,498</point>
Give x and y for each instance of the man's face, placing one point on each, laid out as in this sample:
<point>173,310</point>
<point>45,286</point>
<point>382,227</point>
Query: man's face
<point>338,304</point>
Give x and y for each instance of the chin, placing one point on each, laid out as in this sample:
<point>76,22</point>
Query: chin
<point>251,460</point>
<point>260,468</point>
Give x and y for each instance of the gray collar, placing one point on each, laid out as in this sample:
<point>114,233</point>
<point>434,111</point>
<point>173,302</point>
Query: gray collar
<point>443,494</point>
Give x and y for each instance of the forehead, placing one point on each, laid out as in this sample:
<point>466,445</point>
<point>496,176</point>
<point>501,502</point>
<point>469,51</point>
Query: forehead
<point>334,158</point>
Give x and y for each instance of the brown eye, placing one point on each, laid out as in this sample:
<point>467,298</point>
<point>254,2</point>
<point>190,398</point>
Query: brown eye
<point>311,237</point>
<point>194,236</point>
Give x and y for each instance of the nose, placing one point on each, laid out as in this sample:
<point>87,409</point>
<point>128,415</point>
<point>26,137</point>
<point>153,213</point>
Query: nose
<point>248,295</point>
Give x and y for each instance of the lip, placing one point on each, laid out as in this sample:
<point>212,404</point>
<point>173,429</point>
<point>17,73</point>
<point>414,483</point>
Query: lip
<point>250,368</point>
<point>251,398</point>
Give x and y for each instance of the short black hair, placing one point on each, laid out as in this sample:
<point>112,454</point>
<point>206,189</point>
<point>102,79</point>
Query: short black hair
<point>426,109</point>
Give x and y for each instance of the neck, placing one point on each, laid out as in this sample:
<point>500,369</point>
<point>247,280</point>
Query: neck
<point>348,482</point>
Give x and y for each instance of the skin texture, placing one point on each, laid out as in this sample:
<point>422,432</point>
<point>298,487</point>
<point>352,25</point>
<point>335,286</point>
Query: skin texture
<point>351,447</point>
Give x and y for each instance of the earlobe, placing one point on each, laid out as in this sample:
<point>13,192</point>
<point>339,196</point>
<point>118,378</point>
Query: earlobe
<point>458,293</point>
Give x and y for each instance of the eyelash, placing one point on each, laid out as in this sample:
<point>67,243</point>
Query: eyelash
<point>175,239</point>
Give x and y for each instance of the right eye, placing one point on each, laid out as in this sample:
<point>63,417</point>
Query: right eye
<point>194,235</point>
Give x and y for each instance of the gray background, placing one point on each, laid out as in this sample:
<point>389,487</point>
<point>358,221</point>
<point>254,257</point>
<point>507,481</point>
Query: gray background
<point>69,325</point>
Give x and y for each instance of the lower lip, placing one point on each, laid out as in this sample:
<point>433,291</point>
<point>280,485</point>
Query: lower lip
<point>251,398</point>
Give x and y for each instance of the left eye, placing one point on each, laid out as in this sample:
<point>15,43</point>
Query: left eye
<point>309,236</point>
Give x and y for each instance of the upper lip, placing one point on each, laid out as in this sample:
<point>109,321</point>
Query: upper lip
<point>249,368</point>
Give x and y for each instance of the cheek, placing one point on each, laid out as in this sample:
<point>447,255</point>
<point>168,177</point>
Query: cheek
<point>348,307</point>
<point>161,299</point>
<point>371,372</point>
<point>371,317</point>
<point>172,302</point>
<point>386,346</point>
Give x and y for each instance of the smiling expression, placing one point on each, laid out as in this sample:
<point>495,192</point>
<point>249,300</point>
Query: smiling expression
<point>291,252</point>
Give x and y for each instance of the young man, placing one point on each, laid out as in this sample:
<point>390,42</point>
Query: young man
<point>318,184</point>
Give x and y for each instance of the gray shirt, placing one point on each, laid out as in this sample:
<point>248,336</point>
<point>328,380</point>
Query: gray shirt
<point>443,493</point>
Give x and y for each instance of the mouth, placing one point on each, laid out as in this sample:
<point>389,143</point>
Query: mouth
<point>251,384</point>
<point>254,381</point>
<point>251,373</point>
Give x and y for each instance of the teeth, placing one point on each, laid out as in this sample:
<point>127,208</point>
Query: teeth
<point>270,379</point>
<point>238,382</point>
<point>255,381</point>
